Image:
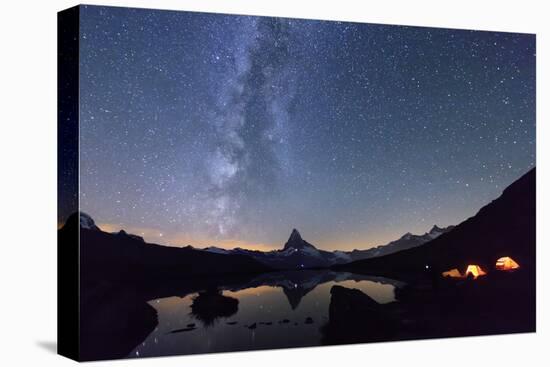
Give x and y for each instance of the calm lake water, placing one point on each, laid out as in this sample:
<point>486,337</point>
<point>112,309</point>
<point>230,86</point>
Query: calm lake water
<point>275,311</point>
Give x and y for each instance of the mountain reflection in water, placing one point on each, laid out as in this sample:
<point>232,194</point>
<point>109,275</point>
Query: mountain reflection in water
<point>273,310</point>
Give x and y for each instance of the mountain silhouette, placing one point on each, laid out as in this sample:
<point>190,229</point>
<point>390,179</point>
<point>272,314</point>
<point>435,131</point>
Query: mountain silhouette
<point>504,227</point>
<point>297,253</point>
<point>408,240</point>
<point>118,274</point>
<point>82,220</point>
<point>125,256</point>
<point>295,241</point>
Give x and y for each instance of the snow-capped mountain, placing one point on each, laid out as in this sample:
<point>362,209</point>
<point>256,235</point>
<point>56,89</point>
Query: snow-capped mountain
<point>295,242</point>
<point>408,240</point>
<point>295,254</point>
<point>298,253</point>
<point>87,222</point>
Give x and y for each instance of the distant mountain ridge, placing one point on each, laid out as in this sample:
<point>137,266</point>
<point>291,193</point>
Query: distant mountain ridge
<point>407,241</point>
<point>126,256</point>
<point>298,253</point>
<point>504,227</point>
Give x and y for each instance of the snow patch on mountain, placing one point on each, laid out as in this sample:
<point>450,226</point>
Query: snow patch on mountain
<point>217,250</point>
<point>298,253</point>
<point>87,222</point>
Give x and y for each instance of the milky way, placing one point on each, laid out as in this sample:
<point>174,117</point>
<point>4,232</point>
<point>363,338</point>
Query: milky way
<point>232,130</point>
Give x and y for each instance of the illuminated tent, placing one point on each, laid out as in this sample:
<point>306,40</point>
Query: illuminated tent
<point>453,273</point>
<point>475,271</point>
<point>506,263</point>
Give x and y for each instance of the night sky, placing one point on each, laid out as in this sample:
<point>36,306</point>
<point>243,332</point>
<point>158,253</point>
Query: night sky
<point>202,129</point>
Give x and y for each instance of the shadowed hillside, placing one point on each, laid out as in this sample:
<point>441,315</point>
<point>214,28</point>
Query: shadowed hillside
<point>119,272</point>
<point>504,227</point>
<point>124,256</point>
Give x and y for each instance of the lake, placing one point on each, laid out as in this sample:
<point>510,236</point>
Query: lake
<point>276,310</point>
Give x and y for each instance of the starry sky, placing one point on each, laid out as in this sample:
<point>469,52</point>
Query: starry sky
<point>206,129</point>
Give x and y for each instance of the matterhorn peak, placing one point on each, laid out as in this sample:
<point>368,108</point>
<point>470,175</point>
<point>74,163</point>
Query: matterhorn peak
<point>295,241</point>
<point>295,235</point>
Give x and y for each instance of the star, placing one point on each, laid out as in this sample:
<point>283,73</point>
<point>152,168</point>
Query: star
<point>202,129</point>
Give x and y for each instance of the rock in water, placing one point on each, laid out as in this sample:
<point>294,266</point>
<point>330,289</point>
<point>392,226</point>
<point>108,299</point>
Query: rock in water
<point>356,317</point>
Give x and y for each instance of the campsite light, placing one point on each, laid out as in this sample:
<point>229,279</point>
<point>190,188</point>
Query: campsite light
<point>453,273</point>
<point>506,263</point>
<point>475,271</point>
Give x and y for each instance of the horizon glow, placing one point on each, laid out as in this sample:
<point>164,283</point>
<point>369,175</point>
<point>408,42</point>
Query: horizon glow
<point>206,129</point>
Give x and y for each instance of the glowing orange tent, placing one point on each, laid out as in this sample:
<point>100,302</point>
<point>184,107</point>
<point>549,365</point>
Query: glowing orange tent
<point>475,270</point>
<point>453,273</point>
<point>506,263</point>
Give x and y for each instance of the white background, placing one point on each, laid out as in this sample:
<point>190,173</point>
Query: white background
<point>28,182</point>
